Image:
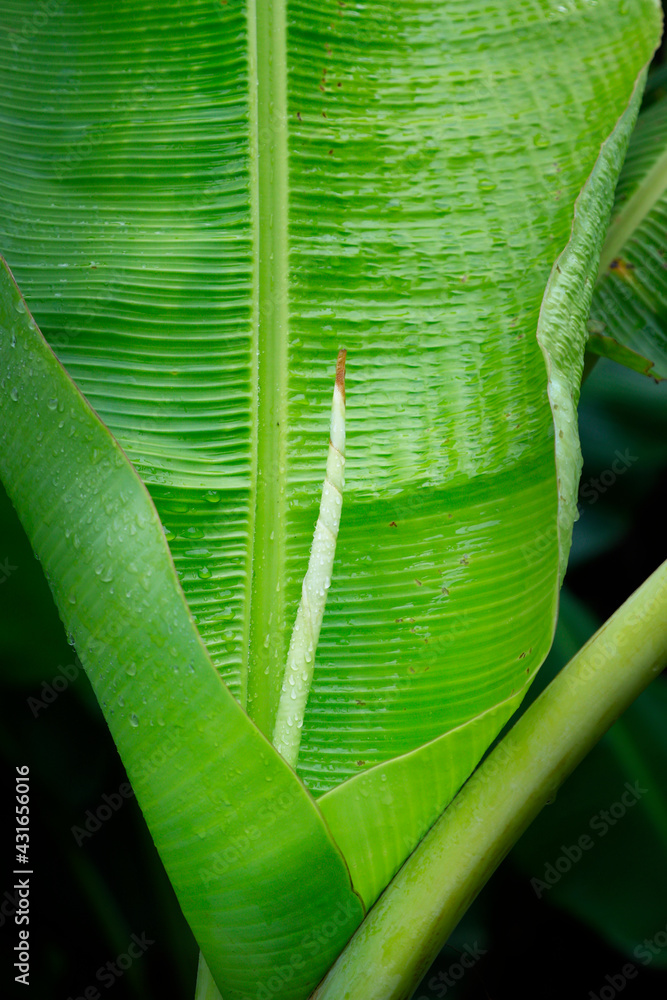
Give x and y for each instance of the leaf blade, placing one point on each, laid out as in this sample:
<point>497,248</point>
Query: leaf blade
<point>212,789</point>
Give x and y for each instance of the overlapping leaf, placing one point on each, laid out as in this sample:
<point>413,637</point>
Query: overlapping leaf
<point>241,839</point>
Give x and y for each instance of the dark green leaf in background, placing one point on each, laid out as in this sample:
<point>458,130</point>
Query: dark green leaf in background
<point>628,320</point>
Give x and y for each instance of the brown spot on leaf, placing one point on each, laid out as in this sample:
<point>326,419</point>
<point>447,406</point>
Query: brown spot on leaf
<point>392,524</point>
<point>622,268</point>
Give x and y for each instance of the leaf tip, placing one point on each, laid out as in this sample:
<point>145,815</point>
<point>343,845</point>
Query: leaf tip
<point>340,372</point>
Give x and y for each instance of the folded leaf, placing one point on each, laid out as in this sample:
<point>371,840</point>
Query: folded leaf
<point>242,841</point>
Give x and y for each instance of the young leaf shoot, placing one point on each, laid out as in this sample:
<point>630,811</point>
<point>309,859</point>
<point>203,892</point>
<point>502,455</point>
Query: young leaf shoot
<point>303,644</point>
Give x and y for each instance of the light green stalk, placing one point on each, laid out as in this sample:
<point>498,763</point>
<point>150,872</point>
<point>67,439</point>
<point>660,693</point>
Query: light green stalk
<point>394,947</point>
<point>303,645</point>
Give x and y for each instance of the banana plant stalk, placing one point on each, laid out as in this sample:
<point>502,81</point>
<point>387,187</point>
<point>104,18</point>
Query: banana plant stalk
<point>396,944</point>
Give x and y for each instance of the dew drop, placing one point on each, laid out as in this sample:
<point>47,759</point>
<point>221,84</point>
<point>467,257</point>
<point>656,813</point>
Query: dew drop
<point>134,721</point>
<point>52,404</point>
<point>204,573</point>
<point>14,394</point>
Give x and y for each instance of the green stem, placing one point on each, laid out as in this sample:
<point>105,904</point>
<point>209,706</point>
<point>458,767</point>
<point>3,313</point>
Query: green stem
<point>396,944</point>
<point>300,664</point>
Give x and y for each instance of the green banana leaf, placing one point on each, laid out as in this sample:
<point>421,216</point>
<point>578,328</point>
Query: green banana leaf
<point>201,204</point>
<point>628,321</point>
<point>218,799</point>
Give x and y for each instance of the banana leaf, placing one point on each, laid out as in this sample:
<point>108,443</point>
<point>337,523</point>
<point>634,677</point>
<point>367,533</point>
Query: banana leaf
<point>201,204</point>
<point>628,321</point>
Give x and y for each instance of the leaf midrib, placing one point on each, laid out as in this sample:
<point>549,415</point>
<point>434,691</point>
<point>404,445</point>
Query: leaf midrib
<point>267,69</point>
